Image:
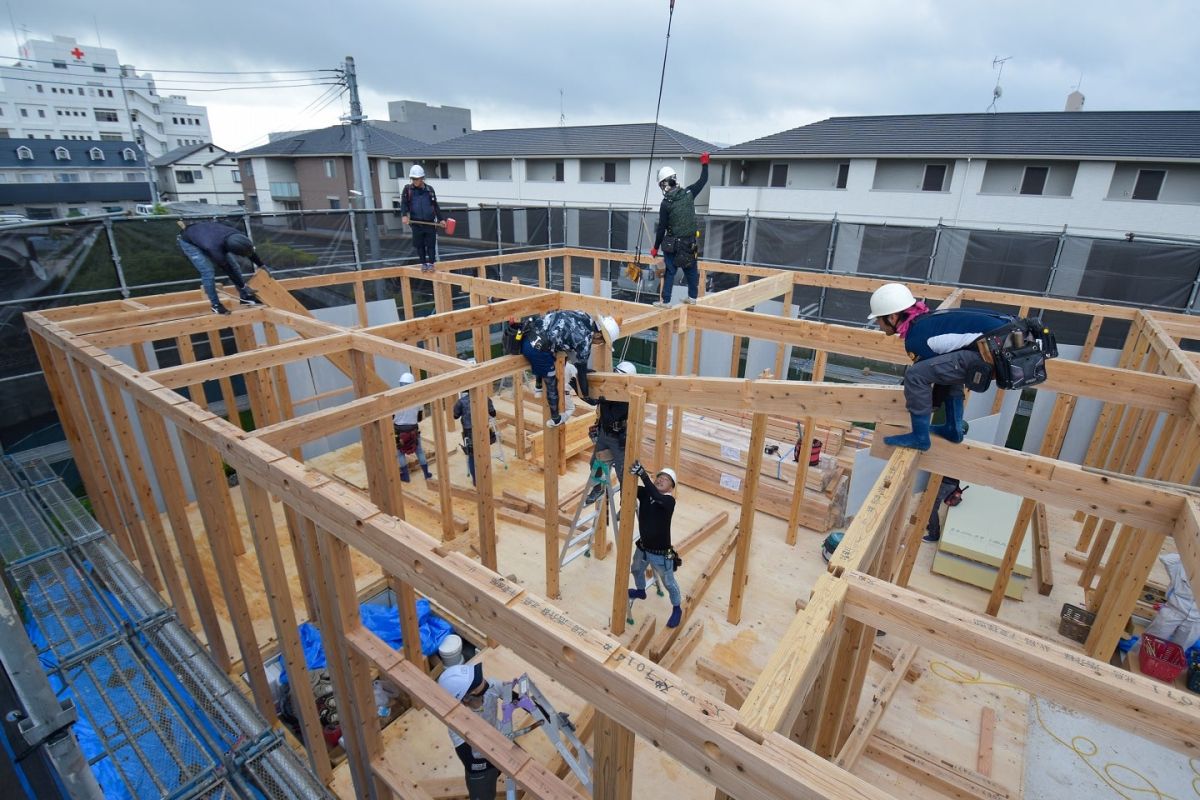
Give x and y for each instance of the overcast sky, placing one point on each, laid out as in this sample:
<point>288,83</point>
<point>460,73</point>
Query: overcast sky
<point>736,70</point>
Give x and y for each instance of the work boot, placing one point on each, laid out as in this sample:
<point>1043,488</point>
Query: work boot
<point>425,469</point>
<point>249,298</point>
<point>661,304</point>
<point>954,428</point>
<point>930,536</point>
<point>689,301</point>
<point>918,439</point>
<point>404,475</point>
<point>594,494</point>
<point>555,421</point>
<point>220,309</point>
<point>676,616</point>
<point>637,594</point>
<point>427,268</point>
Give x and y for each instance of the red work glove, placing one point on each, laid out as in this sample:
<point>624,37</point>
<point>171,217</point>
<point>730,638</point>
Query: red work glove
<point>704,158</point>
<point>654,252</point>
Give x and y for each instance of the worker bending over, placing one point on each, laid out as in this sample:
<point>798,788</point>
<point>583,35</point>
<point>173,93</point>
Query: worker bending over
<point>570,332</point>
<point>465,683</point>
<point>678,232</point>
<point>656,506</point>
<point>612,417</point>
<point>945,355</point>
<point>209,245</point>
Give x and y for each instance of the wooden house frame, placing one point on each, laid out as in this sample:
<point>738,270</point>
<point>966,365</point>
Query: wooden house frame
<point>795,733</point>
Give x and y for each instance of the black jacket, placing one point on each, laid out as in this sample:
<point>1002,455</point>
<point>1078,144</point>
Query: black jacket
<point>655,510</point>
<point>661,229</point>
<point>210,237</point>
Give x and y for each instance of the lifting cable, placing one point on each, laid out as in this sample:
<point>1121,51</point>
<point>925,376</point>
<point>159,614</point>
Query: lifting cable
<point>637,250</point>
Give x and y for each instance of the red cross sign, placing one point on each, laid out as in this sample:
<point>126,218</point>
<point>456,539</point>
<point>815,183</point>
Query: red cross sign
<point>78,54</point>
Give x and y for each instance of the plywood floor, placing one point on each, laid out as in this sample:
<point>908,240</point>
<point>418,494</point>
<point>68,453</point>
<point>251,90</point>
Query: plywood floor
<point>940,712</point>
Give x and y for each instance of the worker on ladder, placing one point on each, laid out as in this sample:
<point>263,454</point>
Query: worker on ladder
<point>612,418</point>
<point>678,232</point>
<point>570,332</point>
<point>656,507</point>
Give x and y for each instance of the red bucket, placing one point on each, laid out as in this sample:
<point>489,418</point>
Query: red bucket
<point>451,224</point>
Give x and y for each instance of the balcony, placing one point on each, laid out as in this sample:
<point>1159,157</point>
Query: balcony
<point>285,191</point>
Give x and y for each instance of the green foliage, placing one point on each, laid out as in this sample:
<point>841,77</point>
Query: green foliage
<point>160,210</point>
<point>275,253</point>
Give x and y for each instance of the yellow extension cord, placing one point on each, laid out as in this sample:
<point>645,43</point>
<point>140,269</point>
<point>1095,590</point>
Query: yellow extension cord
<point>1081,746</point>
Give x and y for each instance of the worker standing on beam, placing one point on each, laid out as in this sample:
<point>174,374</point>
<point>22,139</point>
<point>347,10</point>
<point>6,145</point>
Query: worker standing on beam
<point>462,411</point>
<point>612,418</point>
<point>406,426</point>
<point>465,683</point>
<point>943,347</point>
<point>570,332</point>
<point>419,208</point>
<point>678,232</point>
<point>656,507</point>
<point>209,244</point>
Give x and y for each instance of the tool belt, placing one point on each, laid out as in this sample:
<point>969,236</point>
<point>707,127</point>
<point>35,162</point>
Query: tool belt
<point>683,249</point>
<point>1017,352</point>
<point>668,553</point>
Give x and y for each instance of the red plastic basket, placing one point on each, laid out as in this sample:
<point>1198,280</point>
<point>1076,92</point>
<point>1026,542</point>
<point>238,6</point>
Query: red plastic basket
<point>1161,660</point>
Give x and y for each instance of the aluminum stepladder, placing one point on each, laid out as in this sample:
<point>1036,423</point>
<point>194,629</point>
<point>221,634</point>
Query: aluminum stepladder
<point>583,526</point>
<point>523,693</point>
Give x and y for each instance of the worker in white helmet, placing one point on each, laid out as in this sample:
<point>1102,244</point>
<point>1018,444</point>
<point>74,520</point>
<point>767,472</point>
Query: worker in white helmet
<point>656,507</point>
<point>419,207</point>
<point>678,231</point>
<point>570,332</point>
<point>406,426</point>
<point>467,684</point>
<point>943,347</point>
<point>612,417</point>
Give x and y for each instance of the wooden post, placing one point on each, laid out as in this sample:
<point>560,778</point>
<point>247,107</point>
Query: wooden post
<point>613,764</point>
<point>360,300</point>
<point>443,447</point>
<point>481,443</point>
<point>212,496</point>
<point>741,563</point>
<point>520,440</point>
<point>662,367</point>
<point>820,358</point>
<point>596,276</point>
<point>541,267</point>
<point>227,395</point>
<point>567,273</point>
<point>735,355</point>
<point>629,484</point>
<point>782,349</point>
<point>917,524</point>
<point>677,411</point>
<point>1015,540</point>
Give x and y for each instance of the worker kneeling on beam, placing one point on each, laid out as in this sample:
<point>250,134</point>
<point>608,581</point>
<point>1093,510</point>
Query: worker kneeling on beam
<point>570,332</point>
<point>953,348</point>
<point>656,506</point>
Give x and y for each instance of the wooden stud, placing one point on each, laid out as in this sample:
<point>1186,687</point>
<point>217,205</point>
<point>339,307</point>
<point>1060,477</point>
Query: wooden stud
<point>482,445</point>
<point>612,768</point>
<point>987,733</point>
<point>741,562</point>
<point>227,395</point>
<point>624,532</point>
<point>442,447</point>
<point>666,334</point>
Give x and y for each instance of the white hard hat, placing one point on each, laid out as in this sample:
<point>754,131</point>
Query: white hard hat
<point>665,173</point>
<point>417,171</point>
<point>626,368</point>
<point>670,473</point>
<point>609,326</point>
<point>460,679</point>
<point>891,298</point>
<point>406,378</point>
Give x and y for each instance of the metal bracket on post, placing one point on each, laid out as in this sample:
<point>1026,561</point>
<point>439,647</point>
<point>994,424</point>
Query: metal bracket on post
<point>116,257</point>
<point>354,242</point>
<point>937,238</point>
<point>1062,241</point>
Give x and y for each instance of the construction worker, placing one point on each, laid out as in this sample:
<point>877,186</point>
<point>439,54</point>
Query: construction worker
<point>950,493</point>
<point>408,435</point>
<point>678,232</point>
<point>462,411</point>
<point>942,345</point>
<point>419,208</point>
<point>207,244</point>
<point>656,506</point>
<point>466,684</point>
<point>569,332</point>
<point>612,417</point>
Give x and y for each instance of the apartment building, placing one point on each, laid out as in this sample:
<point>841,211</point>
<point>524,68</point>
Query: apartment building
<point>314,169</point>
<point>62,89</point>
<point>199,173</point>
<point>427,123</point>
<point>1092,173</point>
<point>53,178</point>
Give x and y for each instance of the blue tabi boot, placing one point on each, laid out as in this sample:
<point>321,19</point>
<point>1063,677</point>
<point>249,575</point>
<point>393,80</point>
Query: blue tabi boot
<point>918,439</point>
<point>954,428</point>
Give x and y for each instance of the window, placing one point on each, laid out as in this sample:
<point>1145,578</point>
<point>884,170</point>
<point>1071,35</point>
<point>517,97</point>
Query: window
<point>335,203</point>
<point>330,169</point>
<point>248,169</point>
<point>24,112</point>
<point>204,200</point>
<point>66,177</point>
<point>435,126</point>
<point>184,176</point>
<point>3,133</point>
<point>107,115</point>
<point>236,175</point>
<point>134,177</point>
<point>41,90</point>
<point>32,177</point>
<point>99,68</point>
<point>1149,183</point>
<point>843,175</point>
<point>128,154</point>
<point>101,177</point>
<point>24,153</point>
<point>935,178</point>
<point>610,172</point>
<point>133,117</point>
<point>1034,180</point>
<point>110,137</point>
<point>559,171</point>
<point>779,174</point>
<point>42,113</point>
<point>62,154</point>
<point>59,64</point>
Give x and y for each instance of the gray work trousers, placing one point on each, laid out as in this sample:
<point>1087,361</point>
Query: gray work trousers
<point>615,445</point>
<point>949,370</point>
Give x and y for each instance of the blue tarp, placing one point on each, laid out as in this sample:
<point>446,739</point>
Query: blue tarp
<point>384,622</point>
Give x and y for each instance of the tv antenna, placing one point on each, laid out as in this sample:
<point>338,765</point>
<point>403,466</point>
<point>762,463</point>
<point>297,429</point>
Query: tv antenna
<point>996,90</point>
<point>562,111</point>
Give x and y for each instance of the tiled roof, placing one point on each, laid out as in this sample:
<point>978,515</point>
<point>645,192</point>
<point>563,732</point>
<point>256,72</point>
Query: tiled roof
<point>574,141</point>
<point>335,141</point>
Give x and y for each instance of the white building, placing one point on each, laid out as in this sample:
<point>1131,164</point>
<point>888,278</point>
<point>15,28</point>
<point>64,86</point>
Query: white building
<point>583,166</point>
<point>199,173</point>
<point>1095,173</point>
<point>427,123</point>
<point>42,179</point>
<point>61,89</point>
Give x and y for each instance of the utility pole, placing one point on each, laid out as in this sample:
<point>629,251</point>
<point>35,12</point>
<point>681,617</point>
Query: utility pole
<point>141,143</point>
<point>362,168</point>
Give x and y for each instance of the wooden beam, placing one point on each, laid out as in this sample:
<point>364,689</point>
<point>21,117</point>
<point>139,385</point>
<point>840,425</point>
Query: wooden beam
<point>695,595</point>
<point>987,735</point>
<point>1043,668</point>
<point>1043,560</point>
<point>750,294</point>
<point>853,749</point>
<point>867,533</point>
<point>262,358</point>
<point>932,771</point>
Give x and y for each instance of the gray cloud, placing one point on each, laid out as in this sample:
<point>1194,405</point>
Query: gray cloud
<point>736,70</point>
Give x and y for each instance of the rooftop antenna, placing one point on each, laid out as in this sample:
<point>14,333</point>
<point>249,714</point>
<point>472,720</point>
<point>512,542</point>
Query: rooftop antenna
<point>562,112</point>
<point>996,90</point>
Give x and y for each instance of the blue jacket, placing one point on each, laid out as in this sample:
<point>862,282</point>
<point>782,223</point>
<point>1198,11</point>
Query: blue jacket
<point>541,362</point>
<point>420,204</point>
<point>941,332</point>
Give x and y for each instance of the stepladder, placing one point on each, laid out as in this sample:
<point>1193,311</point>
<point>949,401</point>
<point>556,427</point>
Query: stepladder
<point>523,694</point>
<point>599,497</point>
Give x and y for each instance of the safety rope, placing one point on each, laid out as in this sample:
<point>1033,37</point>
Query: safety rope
<point>637,250</point>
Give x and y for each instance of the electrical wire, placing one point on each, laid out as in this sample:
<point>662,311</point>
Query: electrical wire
<point>189,71</point>
<point>283,84</point>
<point>637,249</point>
<point>116,77</point>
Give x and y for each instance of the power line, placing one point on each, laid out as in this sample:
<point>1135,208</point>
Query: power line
<point>282,84</point>
<point>108,76</point>
<point>193,71</point>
